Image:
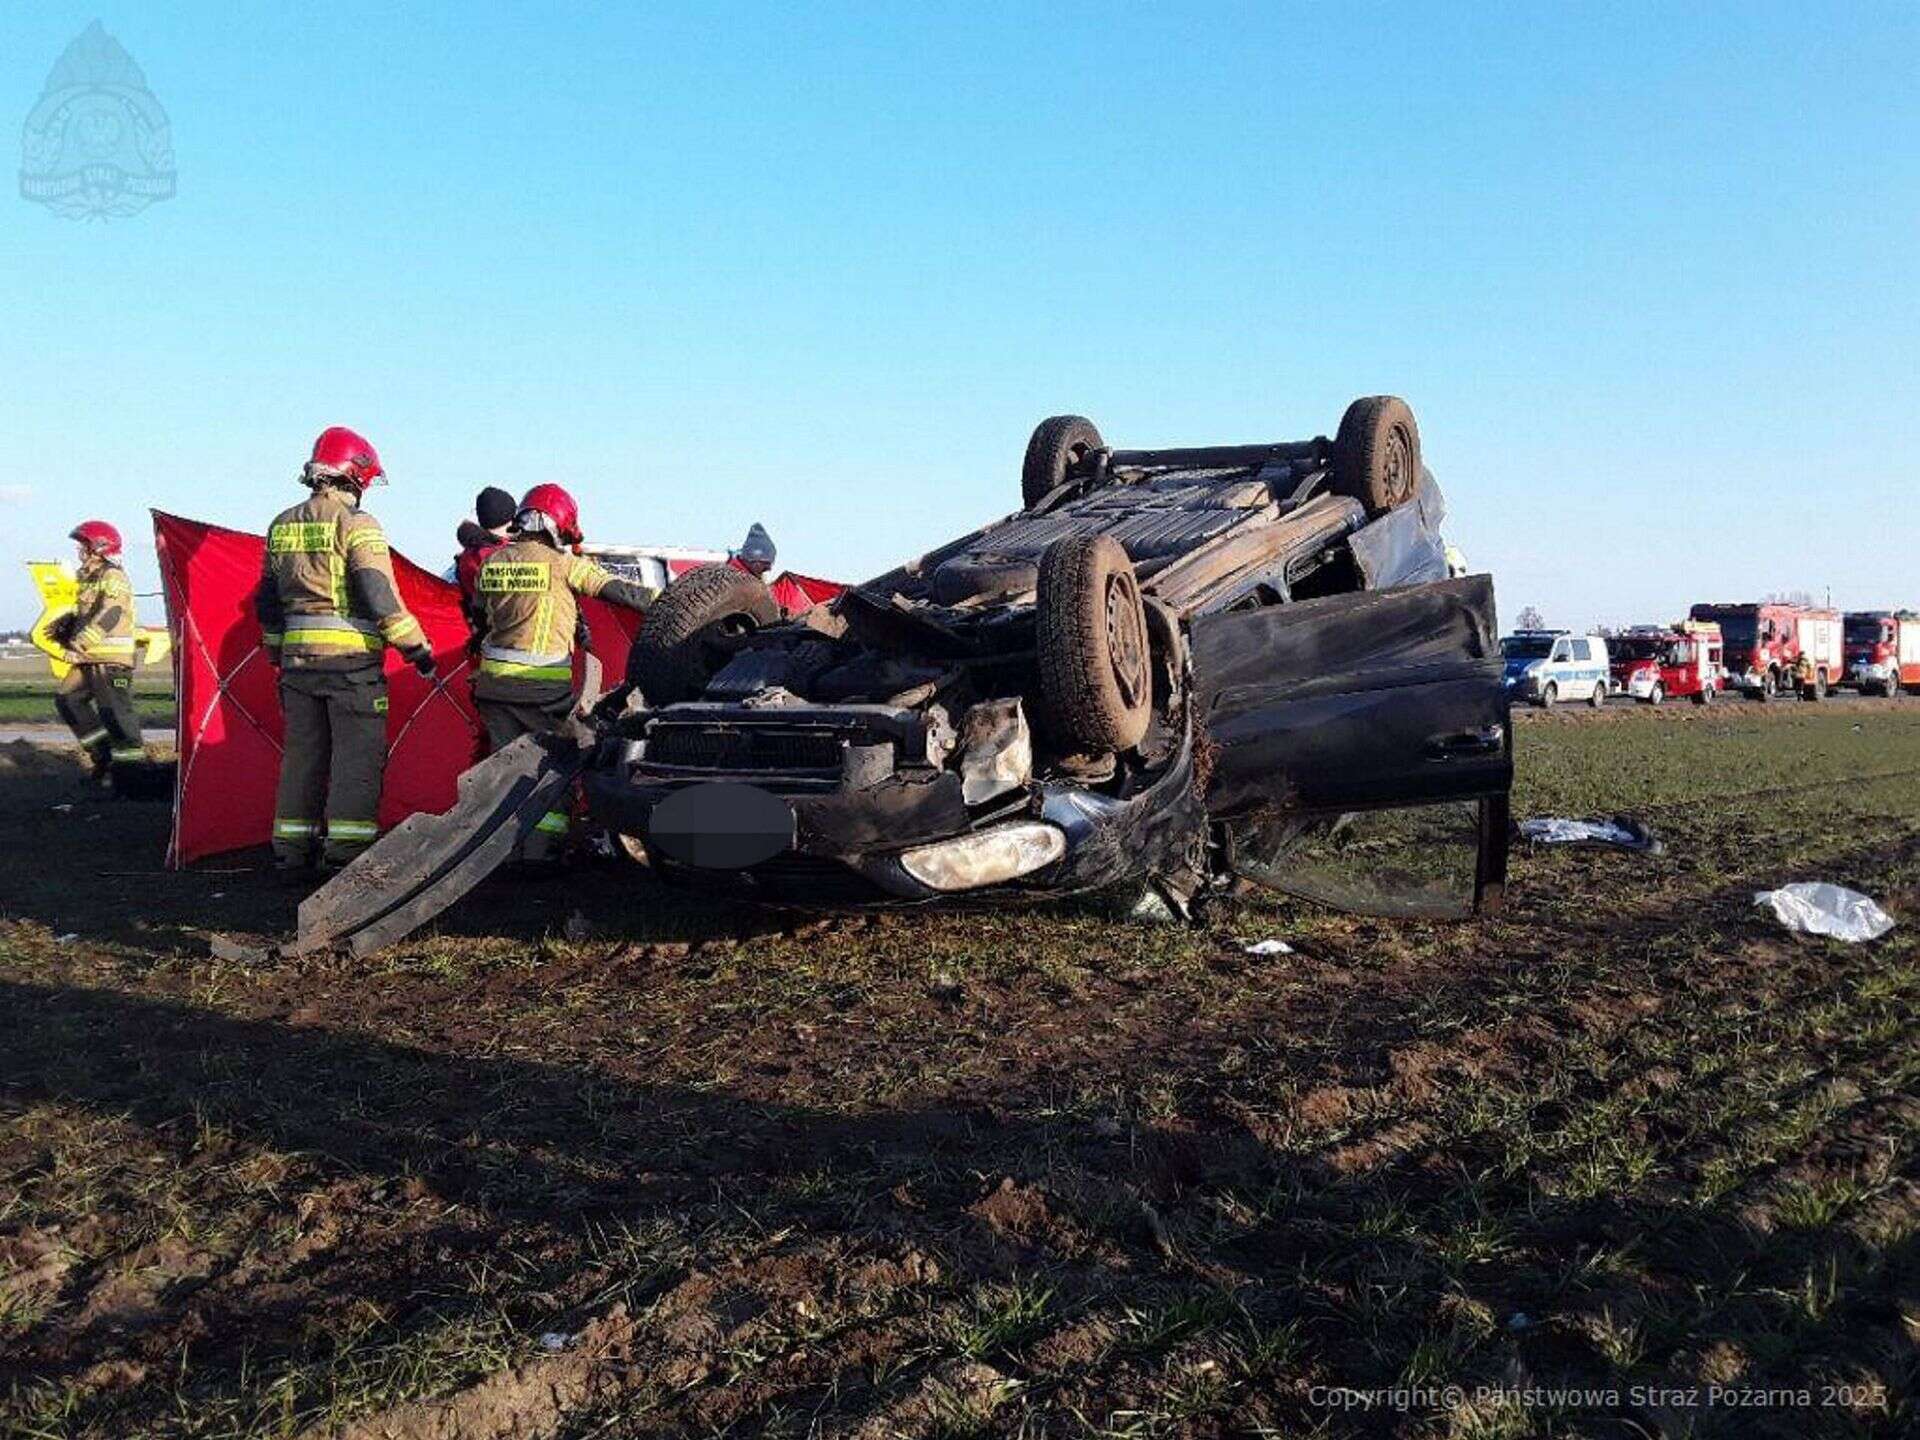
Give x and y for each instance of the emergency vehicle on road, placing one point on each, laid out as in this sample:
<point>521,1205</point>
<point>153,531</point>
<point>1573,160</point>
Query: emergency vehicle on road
<point>1764,644</point>
<point>1655,663</point>
<point>1883,650</point>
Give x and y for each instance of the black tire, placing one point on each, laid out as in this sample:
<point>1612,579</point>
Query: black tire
<point>1769,687</point>
<point>1704,695</point>
<point>1548,694</point>
<point>1059,443</point>
<point>1598,699</point>
<point>1658,695</point>
<point>1096,672</point>
<point>678,649</point>
<point>1376,455</point>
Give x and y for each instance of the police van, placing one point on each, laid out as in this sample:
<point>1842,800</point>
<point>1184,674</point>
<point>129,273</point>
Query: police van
<point>1547,666</point>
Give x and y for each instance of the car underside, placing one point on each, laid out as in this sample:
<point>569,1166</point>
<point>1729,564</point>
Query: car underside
<point>1169,670</point>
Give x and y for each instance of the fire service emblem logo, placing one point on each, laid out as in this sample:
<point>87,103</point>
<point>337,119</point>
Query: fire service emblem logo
<point>97,146</point>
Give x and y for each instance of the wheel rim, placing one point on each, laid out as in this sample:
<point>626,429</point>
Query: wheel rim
<point>1396,465</point>
<point>1126,639</point>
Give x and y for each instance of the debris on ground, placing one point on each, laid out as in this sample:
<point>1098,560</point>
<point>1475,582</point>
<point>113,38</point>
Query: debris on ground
<point>1618,832</point>
<point>1814,907</point>
<point>1266,947</point>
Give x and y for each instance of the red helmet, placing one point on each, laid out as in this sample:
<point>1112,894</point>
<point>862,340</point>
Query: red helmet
<point>98,536</point>
<point>342,453</point>
<point>557,505</point>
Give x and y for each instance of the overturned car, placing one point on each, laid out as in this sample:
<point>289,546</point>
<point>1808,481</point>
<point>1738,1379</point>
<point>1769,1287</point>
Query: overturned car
<point>1170,670</point>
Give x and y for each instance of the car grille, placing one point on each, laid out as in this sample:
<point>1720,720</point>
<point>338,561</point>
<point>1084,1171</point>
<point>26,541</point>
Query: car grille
<point>700,748</point>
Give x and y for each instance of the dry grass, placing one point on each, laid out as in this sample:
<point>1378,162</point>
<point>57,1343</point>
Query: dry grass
<point>1019,1173</point>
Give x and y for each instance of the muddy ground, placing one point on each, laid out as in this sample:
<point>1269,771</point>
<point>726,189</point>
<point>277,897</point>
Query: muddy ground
<point>604,1160</point>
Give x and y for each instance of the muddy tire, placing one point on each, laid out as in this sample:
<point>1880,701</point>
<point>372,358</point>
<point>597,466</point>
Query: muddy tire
<point>681,644</point>
<point>1376,455</point>
<point>1096,674</point>
<point>1059,443</point>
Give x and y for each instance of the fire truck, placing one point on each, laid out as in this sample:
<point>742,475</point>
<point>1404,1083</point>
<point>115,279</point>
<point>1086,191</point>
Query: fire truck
<point>1883,650</point>
<point>1655,663</point>
<point>1764,643</point>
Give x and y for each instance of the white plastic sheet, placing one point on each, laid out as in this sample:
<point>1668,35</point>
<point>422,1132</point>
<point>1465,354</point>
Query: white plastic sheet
<point>1813,907</point>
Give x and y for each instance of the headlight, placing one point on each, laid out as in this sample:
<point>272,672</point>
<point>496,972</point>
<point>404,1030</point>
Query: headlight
<point>987,858</point>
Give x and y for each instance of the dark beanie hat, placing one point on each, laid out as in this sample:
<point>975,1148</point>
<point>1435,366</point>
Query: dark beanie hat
<point>494,507</point>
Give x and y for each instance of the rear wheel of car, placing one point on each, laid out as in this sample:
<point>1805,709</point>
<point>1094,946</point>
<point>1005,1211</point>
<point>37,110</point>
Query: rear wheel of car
<point>1599,697</point>
<point>1703,696</point>
<point>1376,455</point>
<point>1548,695</point>
<point>1096,675</point>
<point>1657,695</point>
<point>682,641</point>
<point>1058,444</point>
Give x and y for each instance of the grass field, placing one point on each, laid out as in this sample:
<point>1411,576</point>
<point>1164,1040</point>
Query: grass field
<point>602,1160</point>
<point>26,694</point>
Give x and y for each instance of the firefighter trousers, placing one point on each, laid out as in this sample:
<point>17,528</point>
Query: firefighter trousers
<point>506,722</point>
<point>96,702</point>
<point>332,766</point>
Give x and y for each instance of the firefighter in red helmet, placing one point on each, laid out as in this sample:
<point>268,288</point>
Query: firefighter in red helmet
<point>528,593</point>
<point>95,697</point>
<point>329,607</point>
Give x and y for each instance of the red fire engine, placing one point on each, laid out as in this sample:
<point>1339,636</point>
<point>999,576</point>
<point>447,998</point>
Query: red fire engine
<point>1883,650</point>
<point>1653,663</point>
<point>1765,642</point>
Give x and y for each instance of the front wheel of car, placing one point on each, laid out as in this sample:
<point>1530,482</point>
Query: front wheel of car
<point>1657,695</point>
<point>1096,673</point>
<point>1059,444</point>
<point>684,636</point>
<point>1376,455</point>
<point>1549,694</point>
<point>1599,697</point>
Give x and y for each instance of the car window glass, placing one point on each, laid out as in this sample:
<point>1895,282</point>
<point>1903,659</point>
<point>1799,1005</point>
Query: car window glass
<point>1419,862</point>
<point>1581,650</point>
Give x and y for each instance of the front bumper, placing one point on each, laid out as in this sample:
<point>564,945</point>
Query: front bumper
<point>1863,672</point>
<point>851,842</point>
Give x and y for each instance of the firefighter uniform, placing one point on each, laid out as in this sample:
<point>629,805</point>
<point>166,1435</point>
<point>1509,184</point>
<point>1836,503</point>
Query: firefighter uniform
<point>528,592</point>
<point>95,697</point>
<point>328,606</point>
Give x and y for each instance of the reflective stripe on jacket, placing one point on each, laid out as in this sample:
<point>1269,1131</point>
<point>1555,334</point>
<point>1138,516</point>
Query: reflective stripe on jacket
<point>103,623</point>
<point>327,597</point>
<point>527,599</point>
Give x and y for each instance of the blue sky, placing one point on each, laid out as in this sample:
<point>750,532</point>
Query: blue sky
<point>1650,275</point>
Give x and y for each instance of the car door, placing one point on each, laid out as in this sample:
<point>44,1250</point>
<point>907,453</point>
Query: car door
<point>1364,735</point>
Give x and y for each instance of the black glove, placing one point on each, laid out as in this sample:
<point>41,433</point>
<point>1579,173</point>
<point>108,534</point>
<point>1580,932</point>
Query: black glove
<point>423,662</point>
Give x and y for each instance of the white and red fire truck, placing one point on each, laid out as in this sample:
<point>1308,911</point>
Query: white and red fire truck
<point>1764,644</point>
<point>1883,650</point>
<point>1655,663</point>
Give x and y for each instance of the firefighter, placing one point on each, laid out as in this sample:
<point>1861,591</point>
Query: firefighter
<point>329,608</point>
<point>95,697</point>
<point>528,591</point>
<point>756,552</point>
<point>493,509</point>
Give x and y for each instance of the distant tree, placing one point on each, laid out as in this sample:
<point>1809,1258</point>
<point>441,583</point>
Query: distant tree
<point>1531,619</point>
